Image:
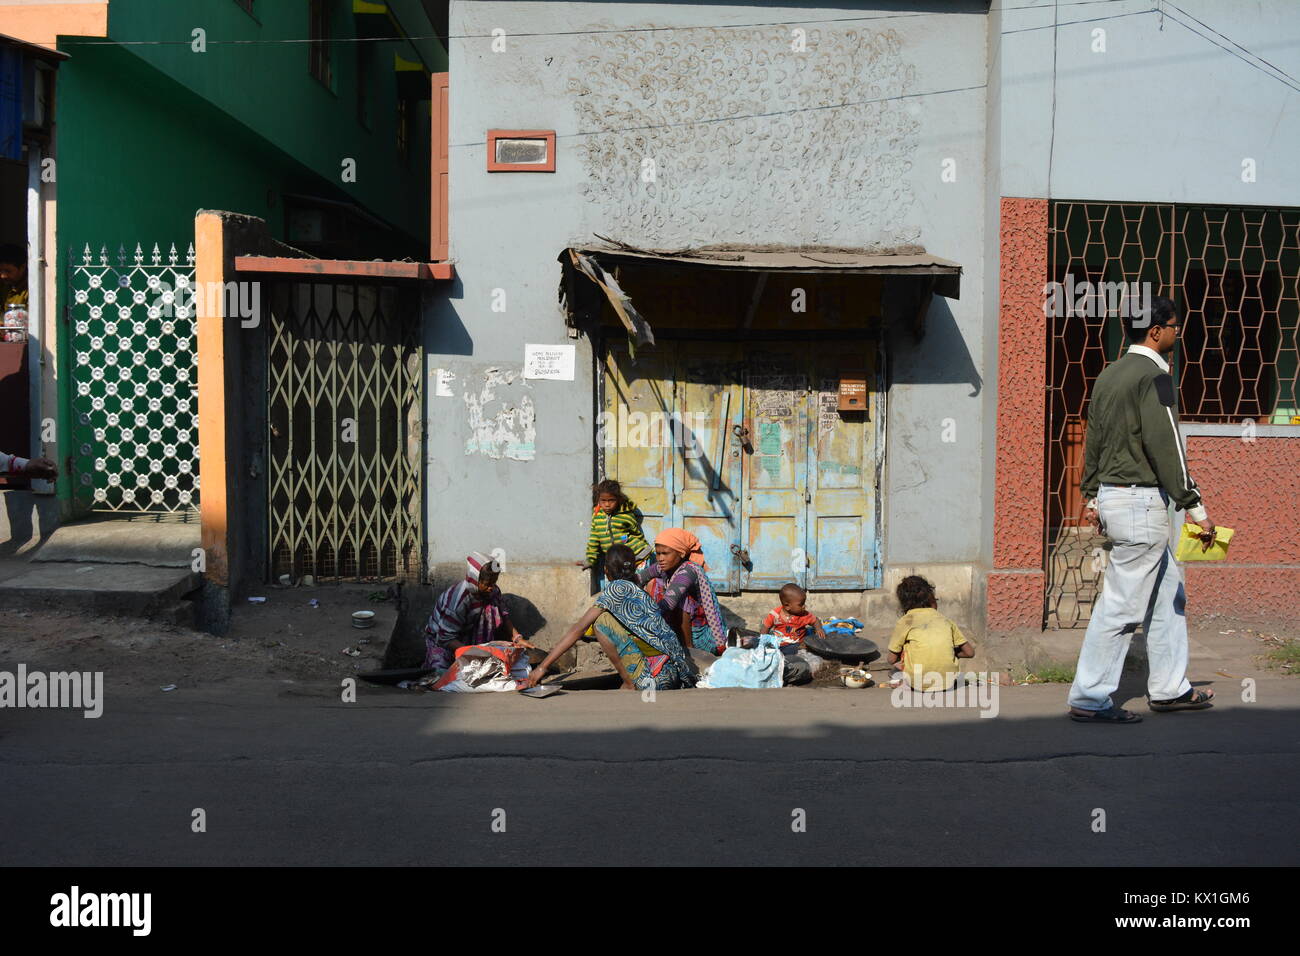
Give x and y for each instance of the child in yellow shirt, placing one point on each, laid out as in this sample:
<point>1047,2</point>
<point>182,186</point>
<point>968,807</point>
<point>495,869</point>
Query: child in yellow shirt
<point>927,643</point>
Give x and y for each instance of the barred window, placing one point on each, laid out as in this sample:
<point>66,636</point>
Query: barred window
<point>1234,275</point>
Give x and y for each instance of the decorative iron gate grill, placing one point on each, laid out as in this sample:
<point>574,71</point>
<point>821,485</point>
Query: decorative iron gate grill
<point>134,381</point>
<point>344,431</point>
<point>1234,273</point>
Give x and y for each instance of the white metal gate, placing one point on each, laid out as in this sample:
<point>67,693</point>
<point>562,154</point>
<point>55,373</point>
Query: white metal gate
<point>134,380</point>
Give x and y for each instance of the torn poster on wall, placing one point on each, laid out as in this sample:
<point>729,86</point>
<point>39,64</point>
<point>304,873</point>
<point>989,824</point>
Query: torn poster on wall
<point>511,431</point>
<point>555,362</point>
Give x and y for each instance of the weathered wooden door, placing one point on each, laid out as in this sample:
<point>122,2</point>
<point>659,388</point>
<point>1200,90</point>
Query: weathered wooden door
<point>844,462</point>
<point>763,465</point>
<point>775,471</point>
<point>707,466</point>
<point>637,394</point>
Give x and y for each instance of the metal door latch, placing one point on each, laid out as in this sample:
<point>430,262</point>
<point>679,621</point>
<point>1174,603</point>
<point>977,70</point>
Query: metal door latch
<point>742,432</point>
<point>742,554</point>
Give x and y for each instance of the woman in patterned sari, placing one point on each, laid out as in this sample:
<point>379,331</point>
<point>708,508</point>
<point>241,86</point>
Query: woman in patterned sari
<point>678,583</point>
<point>630,630</point>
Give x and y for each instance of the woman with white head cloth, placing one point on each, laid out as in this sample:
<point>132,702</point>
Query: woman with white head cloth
<point>469,612</point>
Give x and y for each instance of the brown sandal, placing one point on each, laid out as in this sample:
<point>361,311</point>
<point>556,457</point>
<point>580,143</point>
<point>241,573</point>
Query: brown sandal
<point>1111,715</point>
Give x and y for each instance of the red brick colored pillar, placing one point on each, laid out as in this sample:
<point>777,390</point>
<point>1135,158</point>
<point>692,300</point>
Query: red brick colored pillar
<point>1016,582</point>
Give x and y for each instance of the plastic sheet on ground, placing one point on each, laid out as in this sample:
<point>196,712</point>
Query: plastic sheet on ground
<point>494,666</point>
<point>760,667</point>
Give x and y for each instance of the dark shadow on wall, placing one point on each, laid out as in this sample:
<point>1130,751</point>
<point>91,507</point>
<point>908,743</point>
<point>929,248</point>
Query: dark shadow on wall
<point>406,648</point>
<point>444,332</point>
<point>941,356</point>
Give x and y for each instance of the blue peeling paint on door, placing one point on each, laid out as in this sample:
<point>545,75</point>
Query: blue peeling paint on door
<point>776,469</point>
<point>743,445</point>
<point>843,480</point>
<point>707,463</point>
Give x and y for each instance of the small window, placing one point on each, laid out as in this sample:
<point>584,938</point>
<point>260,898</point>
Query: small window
<point>521,151</point>
<point>318,50</point>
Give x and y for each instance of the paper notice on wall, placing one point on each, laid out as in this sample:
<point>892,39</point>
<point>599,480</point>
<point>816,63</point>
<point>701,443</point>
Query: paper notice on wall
<point>443,381</point>
<point>556,362</point>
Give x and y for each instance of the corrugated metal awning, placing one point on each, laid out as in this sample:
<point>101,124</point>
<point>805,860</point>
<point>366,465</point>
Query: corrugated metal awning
<point>944,274</point>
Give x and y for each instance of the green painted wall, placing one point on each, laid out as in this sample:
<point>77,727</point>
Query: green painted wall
<point>264,89</point>
<point>149,134</point>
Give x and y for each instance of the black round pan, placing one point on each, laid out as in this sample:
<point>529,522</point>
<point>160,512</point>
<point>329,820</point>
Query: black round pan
<point>842,648</point>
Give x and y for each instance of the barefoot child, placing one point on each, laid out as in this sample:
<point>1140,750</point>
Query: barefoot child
<point>791,621</point>
<point>926,642</point>
<point>615,519</point>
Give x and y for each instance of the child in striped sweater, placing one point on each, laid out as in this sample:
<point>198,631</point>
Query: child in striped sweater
<point>615,519</point>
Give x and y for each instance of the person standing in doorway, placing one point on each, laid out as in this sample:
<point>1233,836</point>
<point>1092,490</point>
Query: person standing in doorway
<point>1134,463</point>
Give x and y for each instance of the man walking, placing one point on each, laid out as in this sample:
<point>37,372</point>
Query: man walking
<point>1134,463</point>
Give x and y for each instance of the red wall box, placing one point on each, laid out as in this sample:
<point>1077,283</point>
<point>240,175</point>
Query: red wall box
<point>546,135</point>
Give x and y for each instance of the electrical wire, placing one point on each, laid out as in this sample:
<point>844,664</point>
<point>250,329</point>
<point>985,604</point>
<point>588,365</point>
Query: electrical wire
<point>1286,79</point>
<point>745,116</point>
<point>98,41</point>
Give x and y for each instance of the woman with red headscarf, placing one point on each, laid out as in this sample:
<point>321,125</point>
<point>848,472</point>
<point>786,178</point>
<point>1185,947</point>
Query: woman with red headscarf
<point>680,587</point>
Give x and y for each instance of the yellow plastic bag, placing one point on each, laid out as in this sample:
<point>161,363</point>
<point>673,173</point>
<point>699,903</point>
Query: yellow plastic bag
<point>1189,545</point>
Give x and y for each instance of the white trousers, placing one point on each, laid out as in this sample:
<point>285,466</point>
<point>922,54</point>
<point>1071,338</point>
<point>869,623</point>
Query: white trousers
<point>1143,585</point>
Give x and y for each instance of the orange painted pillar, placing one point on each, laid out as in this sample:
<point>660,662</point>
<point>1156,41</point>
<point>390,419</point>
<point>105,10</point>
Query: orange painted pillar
<point>210,267</point>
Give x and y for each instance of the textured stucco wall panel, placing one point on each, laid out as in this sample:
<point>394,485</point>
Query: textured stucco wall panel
<point>1014,600</point>
<point>661,96</point>
<point>1251,488</point>
<point>1022,376</point>
<point>1243,593</point>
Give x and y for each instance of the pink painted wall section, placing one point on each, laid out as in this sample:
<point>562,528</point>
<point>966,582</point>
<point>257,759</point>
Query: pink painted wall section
<point>1251,488</point>
<point>1240,593</point>
<point>1016,600</point>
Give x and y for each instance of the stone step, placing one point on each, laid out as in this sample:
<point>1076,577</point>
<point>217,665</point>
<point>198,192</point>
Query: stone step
<point>158,540</point>
<point>125,589</point>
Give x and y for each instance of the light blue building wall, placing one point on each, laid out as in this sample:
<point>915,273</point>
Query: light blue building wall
<point>842,144</point>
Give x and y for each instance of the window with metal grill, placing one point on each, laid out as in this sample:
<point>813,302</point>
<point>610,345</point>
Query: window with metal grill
<point>1234,275</point>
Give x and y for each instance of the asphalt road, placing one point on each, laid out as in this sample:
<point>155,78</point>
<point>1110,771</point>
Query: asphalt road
<point>287,773</point>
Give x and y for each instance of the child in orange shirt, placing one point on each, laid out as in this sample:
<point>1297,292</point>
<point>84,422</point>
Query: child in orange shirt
<point>792,622</point>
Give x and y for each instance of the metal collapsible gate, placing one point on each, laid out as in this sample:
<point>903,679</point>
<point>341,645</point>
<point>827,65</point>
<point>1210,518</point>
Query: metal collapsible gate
<point>134,380</point>
<point>344,442</point>
<point>1234,273</point>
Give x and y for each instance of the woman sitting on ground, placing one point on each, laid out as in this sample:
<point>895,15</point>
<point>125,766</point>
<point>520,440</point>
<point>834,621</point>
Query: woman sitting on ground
<point>679,585</point>
<point>630,630</point>
<point>470,612</point>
